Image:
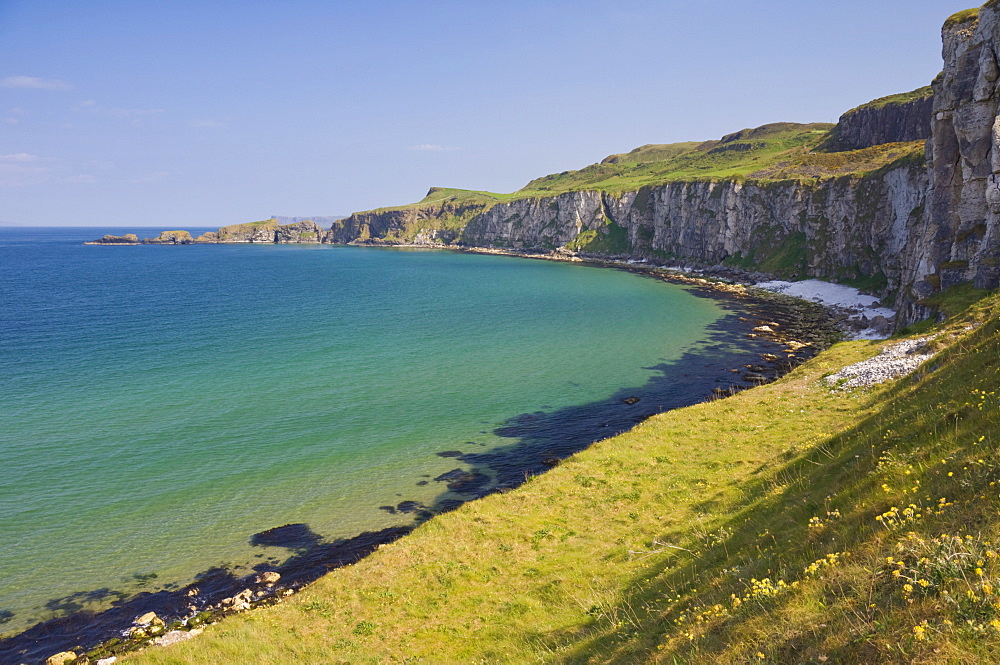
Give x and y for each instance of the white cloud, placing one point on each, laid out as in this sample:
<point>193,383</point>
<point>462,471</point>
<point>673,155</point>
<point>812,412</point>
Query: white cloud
<point>207,123</point>
<point>11,121</point>
<point>432,147</point>
<point>19,157</point>
<point>34,82</point>
<point>149,177</point>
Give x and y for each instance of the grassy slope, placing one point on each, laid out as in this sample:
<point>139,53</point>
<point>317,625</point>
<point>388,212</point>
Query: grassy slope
<point>741,530</point>
<point>771,152</point>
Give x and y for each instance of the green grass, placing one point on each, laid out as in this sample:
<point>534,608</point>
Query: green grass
<point>612,240</point>
<point>735,155</point>
<point>779,151</point>
<point>901,98</point>
<point>965,15</point>
<point>783,256</point>
<point>765,527</point>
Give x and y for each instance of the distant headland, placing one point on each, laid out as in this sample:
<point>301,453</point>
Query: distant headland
<point>266,231</point>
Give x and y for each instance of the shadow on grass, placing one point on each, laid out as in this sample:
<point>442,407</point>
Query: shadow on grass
<point>767,534</point>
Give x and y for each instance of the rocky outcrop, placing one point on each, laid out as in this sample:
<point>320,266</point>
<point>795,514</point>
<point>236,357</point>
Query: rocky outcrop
<point>250,232</point>
<point>127,239</point>
<point>299,232</point>
<point>887,120</point>
<point>435,223</point>
<point>170,238</point>
<point>267,231</point>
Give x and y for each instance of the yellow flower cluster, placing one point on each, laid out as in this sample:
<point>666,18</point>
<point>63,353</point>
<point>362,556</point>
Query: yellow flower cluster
<point>829,560</point>
<point>820,522</point>
<point>980,397</point>
<point>963,571</point>
<point>894,518</point>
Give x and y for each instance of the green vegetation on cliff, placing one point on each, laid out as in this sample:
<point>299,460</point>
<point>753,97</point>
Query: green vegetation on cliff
<point>900,98</point>
<point>789,523</point>
<point>775,152</point>
<point>736,155</point>
<point>965,16</point>
<point>779,151</point>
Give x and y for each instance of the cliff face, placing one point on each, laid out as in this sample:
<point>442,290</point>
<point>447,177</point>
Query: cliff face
<point>430,224</point>
<point>267,231</point>
<point>844,228</point>
<point>886,121</point>
<point>903,231</point>
<point>299,232</point>
<point>960,237</point>
<point>170,238</point>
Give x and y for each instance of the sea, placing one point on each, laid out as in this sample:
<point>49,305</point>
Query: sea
<point>161,405</point>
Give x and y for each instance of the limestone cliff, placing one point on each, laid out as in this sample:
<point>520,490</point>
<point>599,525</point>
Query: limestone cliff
<point>851,228</point>
<point>299,232</point>
<point>905,117</point>
<point>266,231</point>
<point>436,220</point>
<point>960,236</point>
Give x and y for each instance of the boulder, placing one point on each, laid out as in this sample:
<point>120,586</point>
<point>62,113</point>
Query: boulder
<point>268,578</point>
<point>60,658</point>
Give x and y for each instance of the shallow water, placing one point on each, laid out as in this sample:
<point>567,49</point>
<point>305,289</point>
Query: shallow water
<point>162,404</point>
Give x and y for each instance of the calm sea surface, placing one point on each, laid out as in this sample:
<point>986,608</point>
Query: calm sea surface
<point>162,404</point>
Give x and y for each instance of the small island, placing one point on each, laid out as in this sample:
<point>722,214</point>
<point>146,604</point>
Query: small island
<point>266,231</point>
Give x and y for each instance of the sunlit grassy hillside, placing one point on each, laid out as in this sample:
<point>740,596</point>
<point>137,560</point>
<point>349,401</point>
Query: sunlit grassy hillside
<point>789,523</point>
<point>779,151</point>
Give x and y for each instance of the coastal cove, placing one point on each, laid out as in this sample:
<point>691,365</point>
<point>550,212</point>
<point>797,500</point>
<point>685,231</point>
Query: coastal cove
<point>240,424</point>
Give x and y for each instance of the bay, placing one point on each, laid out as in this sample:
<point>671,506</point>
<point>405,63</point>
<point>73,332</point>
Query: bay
<point>162,404</point>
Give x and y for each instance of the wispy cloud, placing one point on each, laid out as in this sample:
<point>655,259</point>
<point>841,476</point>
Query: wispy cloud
<point>34,83</point>
<point>136,116</point>
<point>149,177</point>
<point>14,116</point>
<point>432,147</point>
<point>82,179</point>
<point>20,169</point>
<point>207,123</point>
<point>19,157</point>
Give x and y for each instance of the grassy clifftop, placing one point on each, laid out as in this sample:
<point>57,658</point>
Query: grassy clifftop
<point>777,151</point>
<point>901,98</point>
<point>790,523</point>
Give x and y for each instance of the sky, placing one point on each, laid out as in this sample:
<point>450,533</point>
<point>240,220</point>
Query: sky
<point>186,114</point>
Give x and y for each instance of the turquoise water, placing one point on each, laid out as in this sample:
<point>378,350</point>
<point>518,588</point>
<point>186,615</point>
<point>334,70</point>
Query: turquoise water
<point>162,404</point>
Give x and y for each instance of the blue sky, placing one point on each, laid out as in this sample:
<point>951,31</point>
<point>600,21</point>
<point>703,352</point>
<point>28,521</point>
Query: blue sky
<point>188,114</point>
